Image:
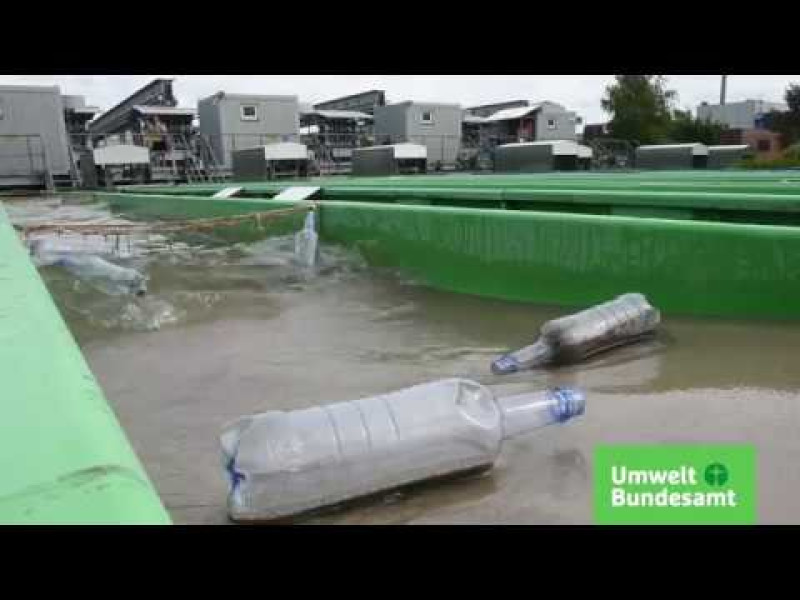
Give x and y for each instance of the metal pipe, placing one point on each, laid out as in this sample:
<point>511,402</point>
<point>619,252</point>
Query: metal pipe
<point>722,90</point>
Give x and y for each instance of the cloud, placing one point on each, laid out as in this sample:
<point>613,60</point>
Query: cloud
<point>581,93</point>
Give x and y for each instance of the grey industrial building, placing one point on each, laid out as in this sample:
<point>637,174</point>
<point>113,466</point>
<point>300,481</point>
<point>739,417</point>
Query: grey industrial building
<point>231,122</point>
<point>139,114</point>
<point>332,135</point>
<point>45,136</point>
<point>746,114</point>
<point>151,117</point>
<point>537,122</point>
<point>76,119</point>
<point>34,147</point>
<point>746,125</point>
<point>436,126</point>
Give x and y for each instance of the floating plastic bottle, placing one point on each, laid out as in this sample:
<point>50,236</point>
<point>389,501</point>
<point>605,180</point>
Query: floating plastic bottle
<point>103,275</point>
<point>285,463</point>
<point>624,320</point>
<point>306,242</point>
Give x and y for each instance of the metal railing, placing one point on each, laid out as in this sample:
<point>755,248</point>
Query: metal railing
<point>175,156</point>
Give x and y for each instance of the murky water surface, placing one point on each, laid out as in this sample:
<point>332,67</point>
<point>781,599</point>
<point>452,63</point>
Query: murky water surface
<point>230,330</point>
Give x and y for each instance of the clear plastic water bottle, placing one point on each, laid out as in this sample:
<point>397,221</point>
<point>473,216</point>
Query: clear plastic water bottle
<point>101,274</point>
<point>285,463</point>
<point>306,242</point>
<point>624,320</point>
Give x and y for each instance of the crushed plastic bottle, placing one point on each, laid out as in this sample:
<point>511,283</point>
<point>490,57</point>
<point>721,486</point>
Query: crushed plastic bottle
<point>626,319</point>
<point>306,242</point>
<point>280,464</point>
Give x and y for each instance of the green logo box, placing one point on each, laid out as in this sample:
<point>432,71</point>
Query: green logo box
<point>675,484</point>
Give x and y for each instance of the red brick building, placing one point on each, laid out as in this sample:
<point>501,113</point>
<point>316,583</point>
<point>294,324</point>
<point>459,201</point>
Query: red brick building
<point>765,144</point>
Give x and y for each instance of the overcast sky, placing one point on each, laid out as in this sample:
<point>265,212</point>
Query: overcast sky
<point>580,93</point>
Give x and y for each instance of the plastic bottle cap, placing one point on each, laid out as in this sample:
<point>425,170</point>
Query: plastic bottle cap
<point>505,364</point>
<point>569,403</point>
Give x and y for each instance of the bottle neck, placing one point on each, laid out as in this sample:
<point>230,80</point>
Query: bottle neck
<point>538,353</point>
<point>527,412</point>
<point>310,221</point>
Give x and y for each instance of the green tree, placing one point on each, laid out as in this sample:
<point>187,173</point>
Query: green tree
<point>640,107</point>
<point>792,98</point>
<point>787,123</point>
<point>684,128</point>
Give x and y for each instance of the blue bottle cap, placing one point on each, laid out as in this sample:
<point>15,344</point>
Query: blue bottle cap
<point>505,364</point>
<point>569,403</point>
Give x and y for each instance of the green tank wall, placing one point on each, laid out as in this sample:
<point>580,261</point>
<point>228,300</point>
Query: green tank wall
<point>738,181</point>
<point>772,198</point>
<point>65,458</point>
<point>688,267</point>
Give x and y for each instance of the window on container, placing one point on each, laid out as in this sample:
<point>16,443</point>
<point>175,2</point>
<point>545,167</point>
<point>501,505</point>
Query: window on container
<point>764,146</point>
<point>551,123</point>
<point>427,116</point>
<point>249,112</point>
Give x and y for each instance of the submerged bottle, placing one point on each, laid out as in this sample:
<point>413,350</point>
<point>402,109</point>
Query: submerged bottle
<point>624,320</point>
<point>284,463</point>
<point>104,275</point>
<point>98,272</point>
<point>306,242</point>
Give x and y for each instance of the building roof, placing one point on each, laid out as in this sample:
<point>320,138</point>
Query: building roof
<point>378,93</point>
<point>248,97</point>
<point>153,84</point>
<point>731,147</point>
<point>782,106</point>
<point>279,151</point>
<point>353,115</point>
<point>85,110</point>
<point>423,103</point>
<point>285,151</point>
<point>468,118</point>
<point>114,117</point>
<point>501,105</point>
<point>511,114</point>
<point>560,147</point>
<point>31,88</point>
<point>698,149</point>
<point>165,111</point>
<point>405,150</point>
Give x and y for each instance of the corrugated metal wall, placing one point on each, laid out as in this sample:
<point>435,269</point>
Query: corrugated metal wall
<point>32,111</point>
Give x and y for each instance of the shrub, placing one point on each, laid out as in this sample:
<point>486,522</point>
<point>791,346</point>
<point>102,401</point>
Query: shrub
<point>772,163</point>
